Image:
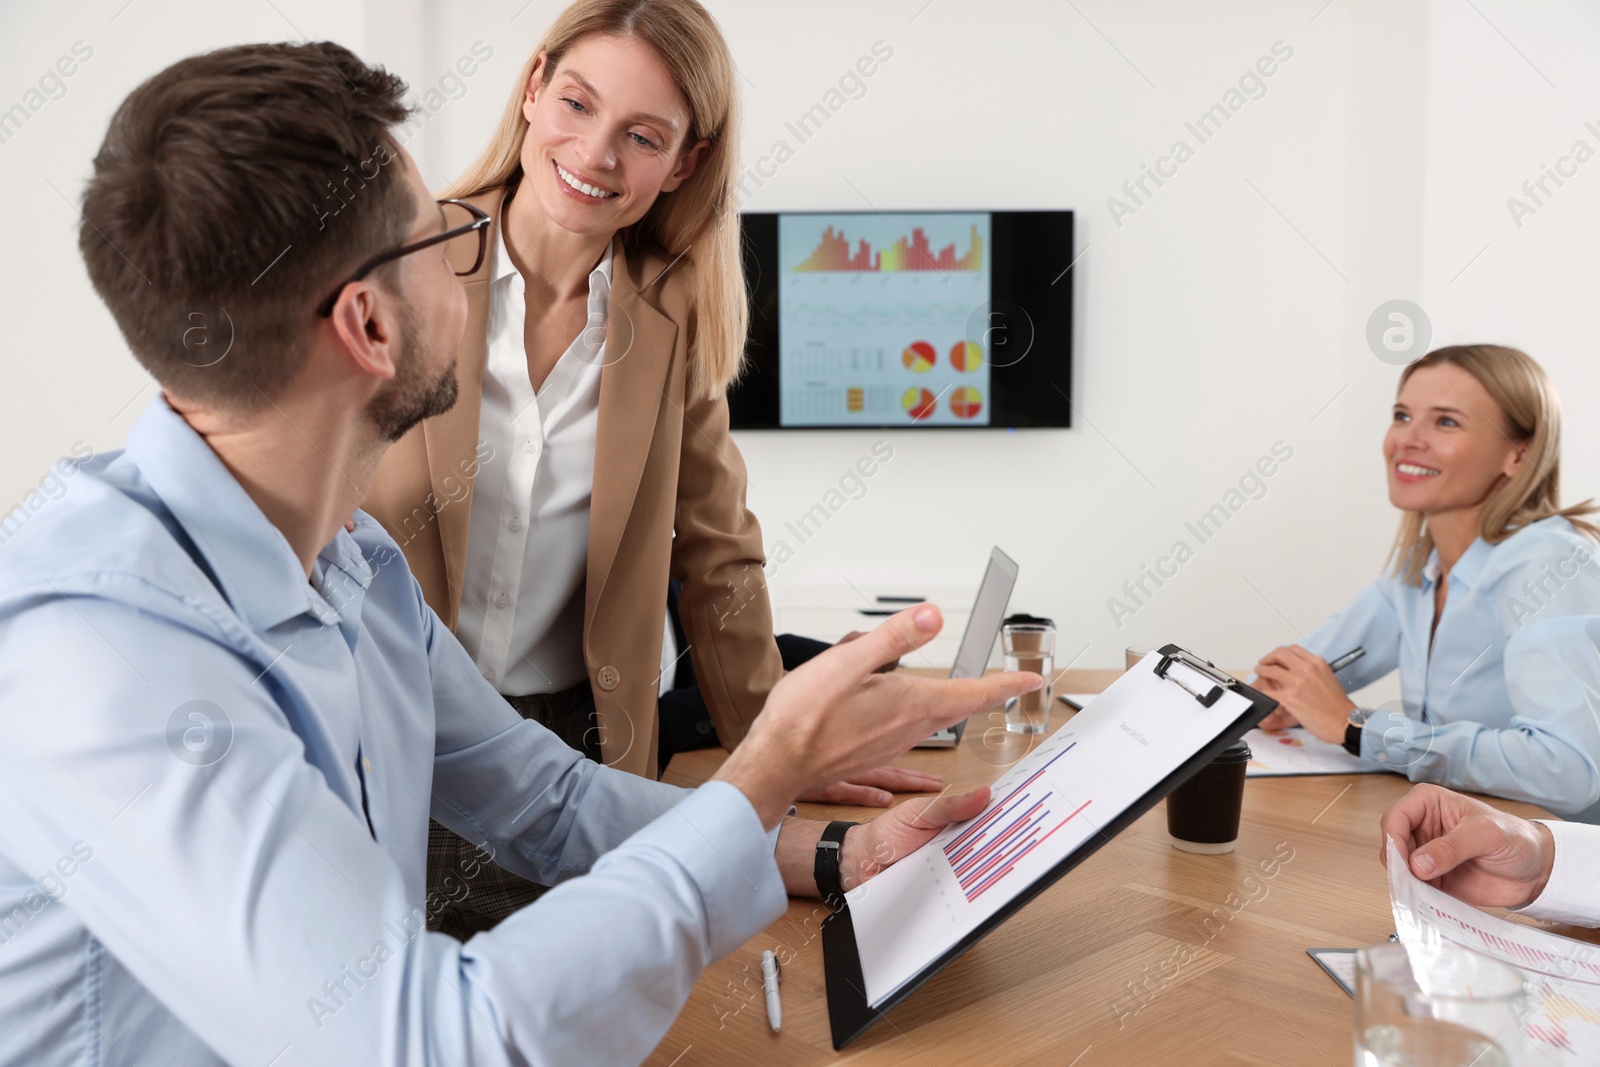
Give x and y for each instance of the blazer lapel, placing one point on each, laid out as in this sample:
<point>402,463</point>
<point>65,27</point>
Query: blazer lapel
<point>639,347</point>
<point>452,438</point>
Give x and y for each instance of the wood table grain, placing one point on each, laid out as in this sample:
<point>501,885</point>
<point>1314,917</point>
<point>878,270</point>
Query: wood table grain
<point>1141,955</point>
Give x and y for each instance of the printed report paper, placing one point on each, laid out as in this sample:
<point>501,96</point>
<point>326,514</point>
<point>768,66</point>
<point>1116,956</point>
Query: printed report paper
<point>1563,1027</point>
<point>1054,800</point>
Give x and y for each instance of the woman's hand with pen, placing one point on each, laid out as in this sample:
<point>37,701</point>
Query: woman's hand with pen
<point>1307,692</point>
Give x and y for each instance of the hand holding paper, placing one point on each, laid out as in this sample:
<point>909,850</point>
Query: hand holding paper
<point>1470,850</point>
<point>1054,807</point>
<point>1562,1023</point>
<point>897,833</point>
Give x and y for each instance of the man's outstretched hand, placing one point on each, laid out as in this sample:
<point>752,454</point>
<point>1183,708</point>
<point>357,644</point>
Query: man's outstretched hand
<point>874,788</point>
<point>1470,850</point>
<point>833,718</point>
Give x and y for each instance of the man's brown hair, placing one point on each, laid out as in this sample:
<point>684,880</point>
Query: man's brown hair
<point>232,193</point>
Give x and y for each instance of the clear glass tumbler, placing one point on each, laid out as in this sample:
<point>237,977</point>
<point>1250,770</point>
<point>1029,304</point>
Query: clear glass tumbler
<point>1437,1005</point>
<point>1030,646</point>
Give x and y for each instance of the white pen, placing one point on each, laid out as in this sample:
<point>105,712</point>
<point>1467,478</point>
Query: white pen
<point>769,979</point>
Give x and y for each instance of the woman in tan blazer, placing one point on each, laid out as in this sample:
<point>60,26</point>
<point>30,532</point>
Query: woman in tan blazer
<point>611,184</point>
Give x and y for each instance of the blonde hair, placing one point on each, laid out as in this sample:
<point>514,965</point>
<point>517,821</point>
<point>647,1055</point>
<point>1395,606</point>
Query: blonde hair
<point>699,220</point>
<point>1532,411</point>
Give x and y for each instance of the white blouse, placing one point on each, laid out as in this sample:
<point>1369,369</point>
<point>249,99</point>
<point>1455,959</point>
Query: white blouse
<point>528,546</point>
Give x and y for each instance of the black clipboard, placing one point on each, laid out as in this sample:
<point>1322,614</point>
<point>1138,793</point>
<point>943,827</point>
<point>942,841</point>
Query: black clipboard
<point>849,1013</point>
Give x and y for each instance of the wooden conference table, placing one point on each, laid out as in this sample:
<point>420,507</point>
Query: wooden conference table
<point>1117,963</point>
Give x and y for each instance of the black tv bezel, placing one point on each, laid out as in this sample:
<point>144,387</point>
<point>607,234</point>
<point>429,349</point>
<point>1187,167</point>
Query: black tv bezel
<point>1033,392</point>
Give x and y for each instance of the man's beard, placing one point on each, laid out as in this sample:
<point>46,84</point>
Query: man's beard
<point>409,398</point>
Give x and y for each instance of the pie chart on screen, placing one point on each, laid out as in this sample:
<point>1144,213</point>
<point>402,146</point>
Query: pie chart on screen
<point>919,403</point>
<point>966,356</point>
<point>966,402</point>
<point>919,356</point>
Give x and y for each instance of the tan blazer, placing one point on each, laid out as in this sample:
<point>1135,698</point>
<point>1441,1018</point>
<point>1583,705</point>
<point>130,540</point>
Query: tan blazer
<point>664,466</point>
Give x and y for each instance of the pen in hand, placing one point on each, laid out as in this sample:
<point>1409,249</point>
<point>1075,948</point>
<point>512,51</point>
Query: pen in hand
<point>1348,658</point>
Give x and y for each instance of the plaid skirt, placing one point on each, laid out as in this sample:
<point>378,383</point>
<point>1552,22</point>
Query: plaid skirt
<point>467,891</point>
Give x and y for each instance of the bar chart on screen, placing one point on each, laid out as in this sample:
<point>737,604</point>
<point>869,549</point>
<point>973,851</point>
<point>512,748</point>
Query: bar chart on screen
<point>900,291</point>
<point>916,253</point>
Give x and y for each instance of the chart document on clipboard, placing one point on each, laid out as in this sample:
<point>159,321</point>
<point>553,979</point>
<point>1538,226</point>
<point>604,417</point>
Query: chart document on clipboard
<point>1146,733</point>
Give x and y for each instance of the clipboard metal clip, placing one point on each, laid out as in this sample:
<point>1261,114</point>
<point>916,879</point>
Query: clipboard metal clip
<point>1222,679</point>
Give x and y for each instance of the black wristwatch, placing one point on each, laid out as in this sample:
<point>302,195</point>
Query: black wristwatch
<point>825,868</point>
<point>1352,730</point>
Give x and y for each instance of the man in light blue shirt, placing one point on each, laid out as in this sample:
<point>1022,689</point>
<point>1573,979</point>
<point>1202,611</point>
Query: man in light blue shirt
<point>228,716</point>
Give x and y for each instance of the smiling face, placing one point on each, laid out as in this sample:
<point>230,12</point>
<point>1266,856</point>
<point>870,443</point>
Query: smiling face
<point>1449,445</point>
<point>606,136</point>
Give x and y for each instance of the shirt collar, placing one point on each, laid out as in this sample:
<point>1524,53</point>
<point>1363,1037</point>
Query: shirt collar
<point>251,561</point>
<point>1467,568</point>
<point>502,267</point>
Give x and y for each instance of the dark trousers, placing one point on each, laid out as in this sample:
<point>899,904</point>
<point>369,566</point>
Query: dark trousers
<point>684,723</point>
<point>467,892</point>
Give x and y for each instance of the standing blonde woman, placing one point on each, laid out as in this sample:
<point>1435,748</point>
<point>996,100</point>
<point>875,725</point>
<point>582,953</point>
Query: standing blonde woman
<point>1489,605</point>
<point>588,459</point>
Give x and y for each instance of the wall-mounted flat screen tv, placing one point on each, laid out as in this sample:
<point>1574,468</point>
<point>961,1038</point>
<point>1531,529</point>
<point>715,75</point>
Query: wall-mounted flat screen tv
<point>928,319</point>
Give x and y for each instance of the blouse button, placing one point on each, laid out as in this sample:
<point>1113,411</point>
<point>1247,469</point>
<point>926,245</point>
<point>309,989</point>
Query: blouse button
<point>528,446</point>
<point>516,523</point>
<point>609,677</point>
<point>501,601</point>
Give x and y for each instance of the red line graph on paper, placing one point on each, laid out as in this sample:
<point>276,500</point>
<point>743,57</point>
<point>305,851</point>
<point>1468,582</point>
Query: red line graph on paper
<point>1548,1025</point>
<point>984,853</point>
<point>1533,960</point>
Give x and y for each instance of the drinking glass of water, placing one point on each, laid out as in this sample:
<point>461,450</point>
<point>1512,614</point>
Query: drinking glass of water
<point>1030,646</point>
<point>1437,1005</point>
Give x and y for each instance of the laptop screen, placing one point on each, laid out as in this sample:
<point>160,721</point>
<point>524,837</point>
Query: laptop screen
<point>988,612</point>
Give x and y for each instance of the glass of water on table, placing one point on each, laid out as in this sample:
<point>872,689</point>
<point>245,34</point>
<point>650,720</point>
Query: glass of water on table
<point>1030,646</point>
<point>1437,1005</point>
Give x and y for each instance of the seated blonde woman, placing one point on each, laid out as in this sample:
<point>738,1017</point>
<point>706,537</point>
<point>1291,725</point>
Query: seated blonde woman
<point>1487,608</point>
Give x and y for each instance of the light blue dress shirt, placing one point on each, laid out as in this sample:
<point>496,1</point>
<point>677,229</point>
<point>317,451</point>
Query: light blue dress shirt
<point>1507,702</point>
<point>215,783</point>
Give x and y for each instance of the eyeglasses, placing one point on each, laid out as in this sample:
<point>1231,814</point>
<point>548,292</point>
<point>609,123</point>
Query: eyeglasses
<point>466,225</point>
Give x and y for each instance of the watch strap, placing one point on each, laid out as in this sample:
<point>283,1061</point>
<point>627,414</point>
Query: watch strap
<point>825,867</point>
<point>1352,730</point>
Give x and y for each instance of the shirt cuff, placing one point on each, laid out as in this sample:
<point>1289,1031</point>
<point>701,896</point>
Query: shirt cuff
<point>718,838</point>
<point>1387,739</point>
<point>1569,895</point>
<point>792,813</point>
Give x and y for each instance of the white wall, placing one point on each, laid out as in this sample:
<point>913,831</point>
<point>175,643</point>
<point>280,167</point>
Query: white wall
<point>69,376</point>
<point>1219,320</point>
<point>1223,316</point>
